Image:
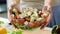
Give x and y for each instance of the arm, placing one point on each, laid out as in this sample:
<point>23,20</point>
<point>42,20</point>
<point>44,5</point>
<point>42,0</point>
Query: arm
<point>14,3</point>
<point>47,7</point>
<point>48,2</point>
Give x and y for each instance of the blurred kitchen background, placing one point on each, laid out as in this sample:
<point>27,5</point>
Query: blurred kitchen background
<point>34,3</point>
<point>3,5</point>
<point>3,8</point>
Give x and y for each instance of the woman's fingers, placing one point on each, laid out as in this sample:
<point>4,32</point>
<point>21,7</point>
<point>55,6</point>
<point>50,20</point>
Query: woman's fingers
<point>46,9</point>
<point>50,16</point>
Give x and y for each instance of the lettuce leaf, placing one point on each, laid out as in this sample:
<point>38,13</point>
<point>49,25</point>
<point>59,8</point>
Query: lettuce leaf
<point>14,32</point>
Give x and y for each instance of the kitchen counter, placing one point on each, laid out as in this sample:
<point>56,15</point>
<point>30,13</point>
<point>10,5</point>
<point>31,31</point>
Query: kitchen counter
<point>37,31</point>
<point>46,30</point>
<point>3,14</point>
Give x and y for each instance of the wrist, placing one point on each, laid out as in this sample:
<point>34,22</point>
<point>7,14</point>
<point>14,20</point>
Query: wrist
<point>47,3</point>
<point>48,6</point>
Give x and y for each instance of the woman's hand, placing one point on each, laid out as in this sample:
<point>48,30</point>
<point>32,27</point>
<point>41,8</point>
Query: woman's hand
<point>15,4</point>
<point>46,21</point>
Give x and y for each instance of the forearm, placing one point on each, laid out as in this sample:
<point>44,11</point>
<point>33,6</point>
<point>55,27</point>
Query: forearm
<point>48,2</point>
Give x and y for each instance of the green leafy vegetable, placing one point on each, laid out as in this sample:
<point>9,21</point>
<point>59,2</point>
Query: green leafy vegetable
<point>1,22</point>
<point>14,32</point>
<point>18,32</point>
<point>25,27</point>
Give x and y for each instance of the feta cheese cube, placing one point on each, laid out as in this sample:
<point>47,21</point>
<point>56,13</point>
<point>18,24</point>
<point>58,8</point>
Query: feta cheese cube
<point>39,19</point>
<point>26,23</point>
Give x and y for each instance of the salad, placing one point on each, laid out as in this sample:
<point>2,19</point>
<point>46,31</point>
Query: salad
<point>28,18</point>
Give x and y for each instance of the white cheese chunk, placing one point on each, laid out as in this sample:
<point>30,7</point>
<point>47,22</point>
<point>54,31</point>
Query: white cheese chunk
<point>26,23</point>
<point>14,10</point>
<point>45,14</point>
<point>39,19</point>
<point>32,19</point>
<point>22,15</point>
<point>29,13</point>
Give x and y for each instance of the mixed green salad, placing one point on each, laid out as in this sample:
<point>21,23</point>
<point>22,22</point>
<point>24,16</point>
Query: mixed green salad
<point>28,18</point>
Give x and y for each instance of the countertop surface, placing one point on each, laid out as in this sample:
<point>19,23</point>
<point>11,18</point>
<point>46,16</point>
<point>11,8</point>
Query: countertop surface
<point>3,14</point>
<point>46,30</point>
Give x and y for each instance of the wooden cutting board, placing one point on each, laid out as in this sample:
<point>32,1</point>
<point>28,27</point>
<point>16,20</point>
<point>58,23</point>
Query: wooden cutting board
<point>37,31</point>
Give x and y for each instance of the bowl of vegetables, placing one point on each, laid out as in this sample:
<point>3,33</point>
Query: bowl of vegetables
<point>28,18</point>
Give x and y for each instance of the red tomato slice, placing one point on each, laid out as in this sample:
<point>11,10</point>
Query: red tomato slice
<point>30,25</point>
<point>44,21</point>
<point>21,21</point>
<point>36,24</point>
<point>40,13</point>
<point>15,16</point>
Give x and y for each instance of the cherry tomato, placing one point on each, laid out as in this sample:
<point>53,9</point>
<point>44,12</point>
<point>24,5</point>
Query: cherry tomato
<point>30,24</point>
<point>15,16</point>
<point>21,21</point>
<point>36,24</point>
<point>44,21</point>
<point>40,13</point>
